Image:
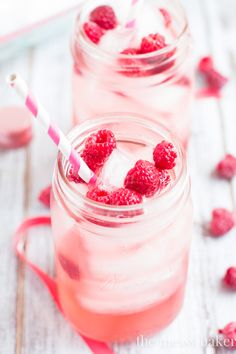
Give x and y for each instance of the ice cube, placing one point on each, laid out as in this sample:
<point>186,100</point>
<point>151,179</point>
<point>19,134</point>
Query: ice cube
<point>115,169</point>
<point>114,42</point>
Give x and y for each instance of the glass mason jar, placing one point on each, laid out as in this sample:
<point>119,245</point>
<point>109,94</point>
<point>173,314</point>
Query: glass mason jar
<point>121,270</point>
<point>157,84</point>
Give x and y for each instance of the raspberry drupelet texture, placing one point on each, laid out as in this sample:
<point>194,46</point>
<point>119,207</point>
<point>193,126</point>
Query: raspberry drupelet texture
<point>229,333</point>
<point>151,43</point>
<point>97,149</point>
<point>124,196</point>
<point>143,178</point>
<point>93,31</point>
<point>120,196</point>
<point>104,16</point>
<point>226,168</point>
<point>222,222</point>
<point>164,155</point>
<point>230,278</point>
<point>99,195</point>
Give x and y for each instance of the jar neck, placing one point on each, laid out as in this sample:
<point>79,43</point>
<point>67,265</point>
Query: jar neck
<point>153,68</point>
<point>80,208</point>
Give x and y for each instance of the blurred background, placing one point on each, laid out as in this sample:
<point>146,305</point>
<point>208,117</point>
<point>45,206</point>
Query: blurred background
<point>35,41</point>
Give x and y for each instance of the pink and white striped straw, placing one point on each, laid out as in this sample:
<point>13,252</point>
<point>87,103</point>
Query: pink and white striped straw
<point>56,135</point>
<point>132,16</point>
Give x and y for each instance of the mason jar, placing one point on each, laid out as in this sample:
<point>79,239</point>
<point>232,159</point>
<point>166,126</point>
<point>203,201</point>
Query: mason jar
<point>121,270</point>
<point>157,84</point>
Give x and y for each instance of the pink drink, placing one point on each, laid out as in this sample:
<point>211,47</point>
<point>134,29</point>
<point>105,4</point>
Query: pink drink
<point>158,84</point>
<point>121,271</point>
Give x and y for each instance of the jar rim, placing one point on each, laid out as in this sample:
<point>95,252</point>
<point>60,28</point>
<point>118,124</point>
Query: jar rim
<point>89,45</point>
<point>78,199</point>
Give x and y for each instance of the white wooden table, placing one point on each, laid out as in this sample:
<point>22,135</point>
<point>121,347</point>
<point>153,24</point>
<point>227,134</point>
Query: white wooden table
<point>29,321</point>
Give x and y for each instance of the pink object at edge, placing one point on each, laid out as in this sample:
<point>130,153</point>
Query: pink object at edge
<point>15,127</point>
<point>44,196</point>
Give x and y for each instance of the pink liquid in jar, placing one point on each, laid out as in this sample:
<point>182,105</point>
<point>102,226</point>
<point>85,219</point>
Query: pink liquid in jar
<point>121,271</point>
<point>158,84</point>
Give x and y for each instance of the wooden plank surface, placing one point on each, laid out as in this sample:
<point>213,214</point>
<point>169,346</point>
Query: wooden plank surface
<point>29,322</point>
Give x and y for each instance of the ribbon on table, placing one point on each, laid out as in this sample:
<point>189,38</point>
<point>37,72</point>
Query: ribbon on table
<point>19,238</point>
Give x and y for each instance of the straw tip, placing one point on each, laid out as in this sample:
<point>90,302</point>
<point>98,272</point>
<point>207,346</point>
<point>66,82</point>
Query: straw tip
<point>11,79</point>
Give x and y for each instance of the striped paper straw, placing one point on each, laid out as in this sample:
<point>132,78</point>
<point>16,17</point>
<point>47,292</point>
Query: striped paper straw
<point>134,8</point>
<point>56,135</point>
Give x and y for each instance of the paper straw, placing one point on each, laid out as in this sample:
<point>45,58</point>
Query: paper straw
<point>134,7</point>
<point>56,135</point>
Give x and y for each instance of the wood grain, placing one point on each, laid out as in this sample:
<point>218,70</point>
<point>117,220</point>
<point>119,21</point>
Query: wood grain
<point>29,322</point>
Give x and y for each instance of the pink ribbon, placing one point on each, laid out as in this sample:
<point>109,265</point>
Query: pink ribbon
<point>19,237</point>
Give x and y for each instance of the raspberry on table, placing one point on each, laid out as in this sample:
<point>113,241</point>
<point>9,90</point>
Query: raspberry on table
<point>205,64</point>
<point>69,267</point>
<point>229,333</point>
<point>222,222</point>
<point>215,80</point>
<point>104,16</point>
<point>226,168</point>
<point>143,178</point>
<point>230,278</point>
<point>99,195</point>
<point>152,43</point>
<point>44,196</point>
<point>124,196</point>
<point>164,155</point>
<point>93,31</point>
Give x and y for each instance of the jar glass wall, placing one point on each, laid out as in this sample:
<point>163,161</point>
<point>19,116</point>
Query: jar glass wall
<point>121,270</point>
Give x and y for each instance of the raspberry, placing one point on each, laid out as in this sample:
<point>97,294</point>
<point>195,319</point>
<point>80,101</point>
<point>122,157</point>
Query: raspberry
<point>98,147</point>
<point>226,168</point>
<point>99,195</point>
<point>205,64</point>
<point>93,31</point>
<point>44,196</point>
<point>124,196</point>
<point>167,17</point>
<point>164,155</point>
<point>104,16</point>
<point>152,42</point>
<point>230,278</point>
<point>143,178</point>
<point>69,267</point>
<point>215,80</point>
<point>222,222</point>
<point>229,333</point>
